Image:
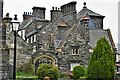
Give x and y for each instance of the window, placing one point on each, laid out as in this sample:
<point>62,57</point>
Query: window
<point>75,51</point>
<point>31,39</point>
<point>23,34</point>
<point>27,40</point>
<point>35,38</point>
<point>34,48</point>
<point>72,65</point>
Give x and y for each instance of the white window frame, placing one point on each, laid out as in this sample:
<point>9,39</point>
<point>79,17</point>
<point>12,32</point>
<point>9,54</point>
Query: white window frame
<point>35,38</point>
<point>23,34</point>
<point>31,39</point>
<point>74,51</point>
<point>27,40</point>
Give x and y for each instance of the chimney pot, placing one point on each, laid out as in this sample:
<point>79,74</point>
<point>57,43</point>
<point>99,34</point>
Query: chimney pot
<point>55,8</point>
<point>52,8</point>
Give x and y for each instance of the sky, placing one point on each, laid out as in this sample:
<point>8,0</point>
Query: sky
<point>108,8</point>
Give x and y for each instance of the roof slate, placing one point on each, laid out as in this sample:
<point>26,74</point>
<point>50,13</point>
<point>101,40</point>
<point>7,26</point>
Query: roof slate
<point>85,11</point>
<point>95,35</point>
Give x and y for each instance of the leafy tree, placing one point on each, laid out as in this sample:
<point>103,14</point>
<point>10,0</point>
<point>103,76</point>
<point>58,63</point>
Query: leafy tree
<point>102,62</point>
<point>78,71</point>
<point>47,70</point>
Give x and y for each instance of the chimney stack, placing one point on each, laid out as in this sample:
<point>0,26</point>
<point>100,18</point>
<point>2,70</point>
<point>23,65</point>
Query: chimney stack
<point>39,12</point>
<point>55,13</point>
<point>69,9</point>
<point>27,15</point>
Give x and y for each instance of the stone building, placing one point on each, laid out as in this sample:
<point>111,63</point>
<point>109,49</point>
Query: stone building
<point>23,49</point>
<point>67,39</point>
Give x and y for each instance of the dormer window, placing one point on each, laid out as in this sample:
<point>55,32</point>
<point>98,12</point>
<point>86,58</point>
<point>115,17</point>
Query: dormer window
<point>75,49</point>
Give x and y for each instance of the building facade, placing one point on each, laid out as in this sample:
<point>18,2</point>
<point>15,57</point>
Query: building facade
<point>66,40</point>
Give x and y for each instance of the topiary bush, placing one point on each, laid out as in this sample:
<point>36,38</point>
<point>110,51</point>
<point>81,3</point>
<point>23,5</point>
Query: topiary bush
<point>78,71</point>
<point>102,62</point>
<point>47,70</point>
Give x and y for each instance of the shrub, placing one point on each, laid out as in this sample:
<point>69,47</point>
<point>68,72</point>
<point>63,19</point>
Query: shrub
<point>78,71</point>
<point>47,70</point>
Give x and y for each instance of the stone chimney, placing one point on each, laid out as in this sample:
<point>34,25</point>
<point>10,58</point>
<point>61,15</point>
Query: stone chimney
<point>69,9</point>
<point>27,15</point>
<point>55,13</point>
<point>39,12</point>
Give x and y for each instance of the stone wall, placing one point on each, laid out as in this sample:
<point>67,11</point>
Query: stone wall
<point>24,50</point>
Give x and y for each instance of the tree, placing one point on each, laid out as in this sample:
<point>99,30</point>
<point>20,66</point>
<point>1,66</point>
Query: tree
<point>78,71</point>
<point>102,62</point>
<point>47,70</point>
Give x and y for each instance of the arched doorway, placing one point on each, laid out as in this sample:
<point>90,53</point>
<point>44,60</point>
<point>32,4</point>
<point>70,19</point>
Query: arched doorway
<point>43,59</point>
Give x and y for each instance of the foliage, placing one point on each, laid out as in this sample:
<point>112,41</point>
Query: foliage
<point>47,70</point>
<point>64,76</point>
<point>102,62</point>
<point>78,71</point>
<point>26,68</point>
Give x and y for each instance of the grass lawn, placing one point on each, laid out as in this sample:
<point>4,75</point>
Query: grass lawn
<point>25,75</point>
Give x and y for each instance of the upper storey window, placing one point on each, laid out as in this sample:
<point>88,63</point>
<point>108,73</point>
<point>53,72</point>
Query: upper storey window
<point>75,51</point>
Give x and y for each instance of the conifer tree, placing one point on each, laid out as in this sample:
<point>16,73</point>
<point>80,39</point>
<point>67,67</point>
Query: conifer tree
<point>102,62</point>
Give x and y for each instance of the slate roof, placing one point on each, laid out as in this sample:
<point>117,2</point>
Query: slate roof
<point>85,11</point>
<point>95,35</point>
<point>91,24</point>
<point>25,23</point>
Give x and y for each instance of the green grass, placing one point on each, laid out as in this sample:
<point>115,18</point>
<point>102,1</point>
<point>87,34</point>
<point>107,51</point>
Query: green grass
<point>25,75</point>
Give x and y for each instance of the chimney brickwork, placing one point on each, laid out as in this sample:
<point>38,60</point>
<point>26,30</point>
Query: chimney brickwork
<point>55,13</point>
<point>27,15</point>
<point>39,12</point>
<point>69,9</point>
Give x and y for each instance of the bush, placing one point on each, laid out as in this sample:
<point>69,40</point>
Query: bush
<point>78,71</point>
<point>47,70</point>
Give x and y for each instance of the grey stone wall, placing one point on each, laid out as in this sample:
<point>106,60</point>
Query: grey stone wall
<point>24,50</point>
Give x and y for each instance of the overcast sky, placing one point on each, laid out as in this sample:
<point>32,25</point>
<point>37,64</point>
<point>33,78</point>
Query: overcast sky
<point>108,8</point>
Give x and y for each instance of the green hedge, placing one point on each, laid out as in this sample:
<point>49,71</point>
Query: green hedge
<point>47,70</point>
<point>78,71</point>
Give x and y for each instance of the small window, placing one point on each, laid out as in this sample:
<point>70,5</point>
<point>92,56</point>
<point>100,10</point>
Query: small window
<point>31,39</point>
<point>35,38</point>
<point>27,40</point>
<point>75,51</point>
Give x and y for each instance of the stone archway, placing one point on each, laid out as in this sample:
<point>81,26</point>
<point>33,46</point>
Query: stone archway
<point>43,59</point>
